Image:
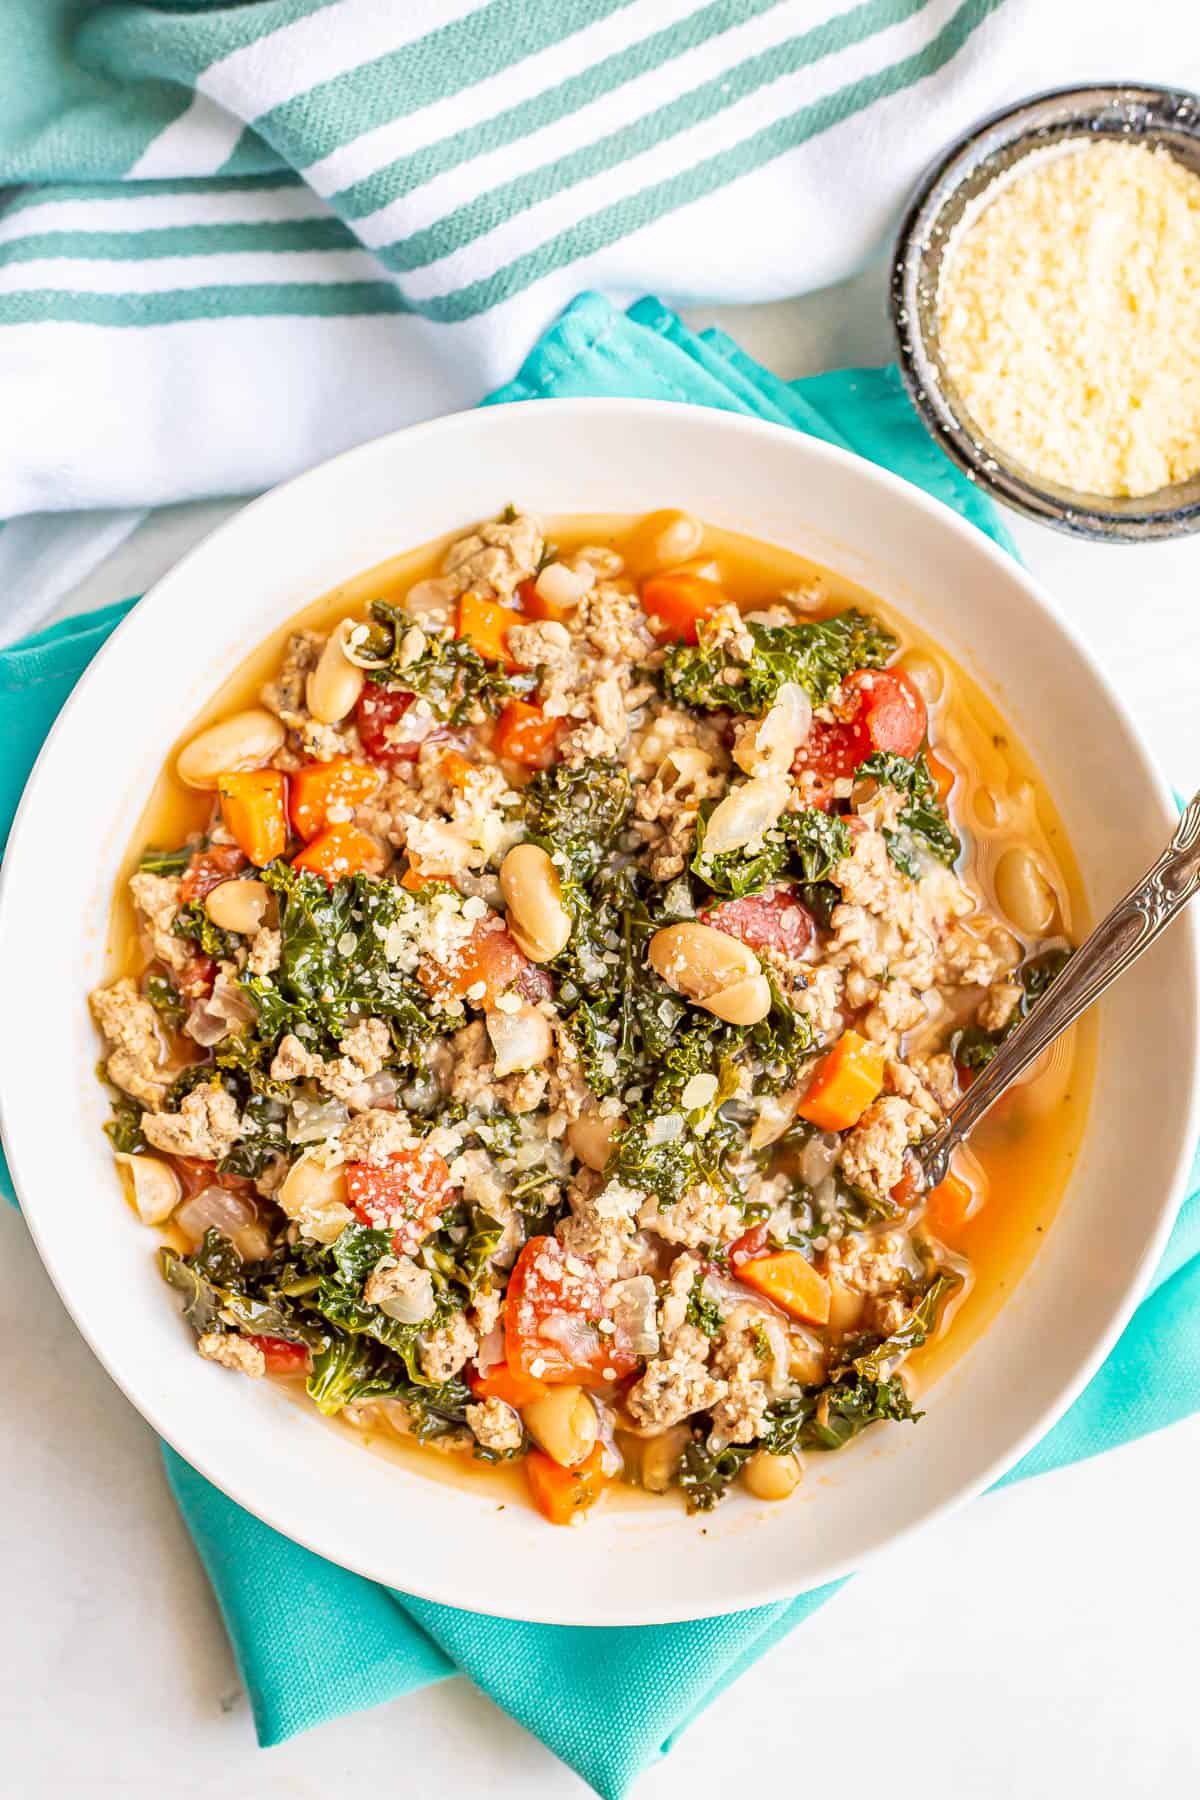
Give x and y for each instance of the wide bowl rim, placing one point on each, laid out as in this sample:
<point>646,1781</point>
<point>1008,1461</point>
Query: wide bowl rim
<point>278,1511</point>
<point>1079,515</point>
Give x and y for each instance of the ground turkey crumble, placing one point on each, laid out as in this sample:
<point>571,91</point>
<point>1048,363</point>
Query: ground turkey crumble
<point>429,1129</point>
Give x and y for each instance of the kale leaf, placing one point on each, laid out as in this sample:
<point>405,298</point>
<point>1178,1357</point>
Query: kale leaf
<point>816,654</point>
<point>449,674</point>
<point>165,862</point>
<point>577,812</point>
<point>192,921</point>
<point>974,1047</point>
<point>166,1000</point>
<point>124,1129</point>
<point>810,842</point>
<point>262,1137</point>
<point>877,1363</point>
<point>333,968</point>
<point>702,1312</point>
<point>922,828</point>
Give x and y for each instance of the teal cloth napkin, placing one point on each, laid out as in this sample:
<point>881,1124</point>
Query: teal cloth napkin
<point>607,1701</point>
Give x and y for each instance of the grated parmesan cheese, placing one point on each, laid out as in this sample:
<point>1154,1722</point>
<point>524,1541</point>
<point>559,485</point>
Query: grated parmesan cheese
<point>1069,318</point>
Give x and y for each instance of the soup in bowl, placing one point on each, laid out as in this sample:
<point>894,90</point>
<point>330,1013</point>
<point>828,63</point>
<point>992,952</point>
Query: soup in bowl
<point>540,967</point>
<point>951,748</point>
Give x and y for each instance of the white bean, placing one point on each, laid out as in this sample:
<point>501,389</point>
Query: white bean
<point>717,971</point>
<point>746,813</point>
<point>431,601</point>
<point>745,1003</point>
<point>590,1138</point>
<point>1024,893</point>
<point>560,585</point>
<point>314,1195</point>
<point>605,564</point>
<point>678,537</point>
<point>245,740</point>
<point>926,675</point>
<point>333,687</point>
<point>239,905</point>
<point>770,1477</point>
<point>537,918</point>
<point>562,1423</point>
<point>768,746</point>
<point>153,1184</point>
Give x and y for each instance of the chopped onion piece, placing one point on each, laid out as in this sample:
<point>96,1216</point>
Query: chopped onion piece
<point>310,1120</point>
<point>819,1155</point>
<point>213,1018</point>
<point>155,1186</point>
<point>633,1307</point>
<point>521,1040</point>
<point>414,1304</point>
<point>216,1206</point>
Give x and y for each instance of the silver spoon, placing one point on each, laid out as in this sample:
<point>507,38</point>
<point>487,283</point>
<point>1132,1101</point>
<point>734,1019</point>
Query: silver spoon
<point>1117,942</point>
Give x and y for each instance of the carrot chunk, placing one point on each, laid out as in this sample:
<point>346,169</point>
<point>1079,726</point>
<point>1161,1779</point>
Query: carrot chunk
<point>513,1386</point>
<point>338,785</point>
<point>254,808</point>
<point>524,733</point>
<point>791,1282</point>
<point>952,1204</point>
<point>484,624</point>
<point>560,1493</point>
<point>675,605</point>
<point>342,850</point>
<point>845,1083</point>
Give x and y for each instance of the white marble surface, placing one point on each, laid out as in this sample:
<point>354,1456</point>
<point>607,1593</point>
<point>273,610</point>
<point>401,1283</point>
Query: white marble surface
<point>1044,1641</point>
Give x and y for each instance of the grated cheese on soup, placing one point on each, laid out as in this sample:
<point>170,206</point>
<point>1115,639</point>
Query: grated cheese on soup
<point>1069,318</point>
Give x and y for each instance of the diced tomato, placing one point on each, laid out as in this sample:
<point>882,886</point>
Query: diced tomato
<point>525,734</point>
<point>774,921</point>
<point>889,707</point>
<point>405,1196</point>
<point>552,1313</point>
<point>342,850</point>
<point>197,977</point>
<point>490,960</point>
<point>254,808</point>
<point>504,1383</point>
<point>910,1187</point>
<point>676,604</point>
<point>752,1243</point>
<point>207,869</point>
<point>832,751</point>
<point>196,1173</point>
<point>381,707</point>
<point>319,788</point>
<point>282,1357</point>
<point>881,710</point>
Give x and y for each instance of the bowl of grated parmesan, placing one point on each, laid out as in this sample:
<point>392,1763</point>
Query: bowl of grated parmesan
<point>1045,297</point>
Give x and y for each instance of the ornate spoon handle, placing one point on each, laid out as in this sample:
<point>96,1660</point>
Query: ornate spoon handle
<point>1131,927</point>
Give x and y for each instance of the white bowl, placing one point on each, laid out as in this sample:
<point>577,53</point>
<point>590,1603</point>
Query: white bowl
<point>83,801</point>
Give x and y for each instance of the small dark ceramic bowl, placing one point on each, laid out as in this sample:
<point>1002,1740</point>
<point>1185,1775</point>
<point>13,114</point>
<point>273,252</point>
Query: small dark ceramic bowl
<point>952,190</point>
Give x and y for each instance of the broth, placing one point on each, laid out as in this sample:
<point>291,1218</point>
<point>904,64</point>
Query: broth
<point>1026,1147</point>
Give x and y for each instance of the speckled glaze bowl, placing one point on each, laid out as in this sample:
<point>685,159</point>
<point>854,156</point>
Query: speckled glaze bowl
<point>402,1526</point>
<point>949,197</point>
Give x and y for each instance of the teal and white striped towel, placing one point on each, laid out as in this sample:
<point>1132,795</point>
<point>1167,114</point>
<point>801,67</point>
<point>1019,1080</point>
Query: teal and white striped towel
<point>242,237</point>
